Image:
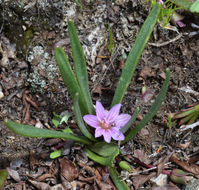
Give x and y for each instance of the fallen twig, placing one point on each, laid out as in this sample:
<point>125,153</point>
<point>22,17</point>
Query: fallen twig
<point>167,42</point>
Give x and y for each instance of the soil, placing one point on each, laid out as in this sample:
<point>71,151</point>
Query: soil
<point>31,88</point>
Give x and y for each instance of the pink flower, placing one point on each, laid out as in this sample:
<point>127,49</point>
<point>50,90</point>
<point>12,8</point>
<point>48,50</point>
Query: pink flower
<point>108,123</point>
<point>161,2</point>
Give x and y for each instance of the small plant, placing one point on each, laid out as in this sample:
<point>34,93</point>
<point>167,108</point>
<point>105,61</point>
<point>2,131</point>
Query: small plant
<point>192,6</point>
<point>110,45</point>
<point>170,122</point>
<point>78,3</point>
<point>107,124</point>
<point>168,13</point>
<point>187,116</point>
<point>3,177</point>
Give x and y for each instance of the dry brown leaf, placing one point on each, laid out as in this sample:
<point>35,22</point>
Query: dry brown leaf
<point>40,185</point>
<point>141,179</point>
<point>121,64</point>
<point>192,168</point>
<point>54,168</point>
<point>45,176</point>
<point>90,170</point>
<point>141,156</point>
<point>165,187</point>
<point>14,174</point>
<point>80,184</point>
<point>33,160</point>
<point>26,113</point>
<point>147,72</point>
<point>102,185</point>
<point>20,186</point>
<point>143,132</point>
<point>57,187</point>
<point>182,146</point>
<point>98,175</point>
<point>98,90</point>
<point>86,179</point>
<point>194,159</point>
<point>68,169</point>
<point>30,100</point>
<point>162,162</point>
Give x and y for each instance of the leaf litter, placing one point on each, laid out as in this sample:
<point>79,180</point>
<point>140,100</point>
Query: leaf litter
<point>20,102</point>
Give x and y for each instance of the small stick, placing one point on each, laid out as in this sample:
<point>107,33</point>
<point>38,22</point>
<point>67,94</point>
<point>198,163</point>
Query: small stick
<point>167,42</point>
<point>185,127</point>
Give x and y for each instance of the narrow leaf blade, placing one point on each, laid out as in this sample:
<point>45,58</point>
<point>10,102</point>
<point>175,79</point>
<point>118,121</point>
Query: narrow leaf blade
<point>79,119</point>
<point>153,110</point>
<point>80,66</point>
<point>121,185</point>
<point>105,161</point>
<point>3,177</point>
<point>69,77</point>
<point>30,131</point>
<point>135,54</point>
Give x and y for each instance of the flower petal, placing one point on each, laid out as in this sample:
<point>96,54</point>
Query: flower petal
<point>117,134</point>
<point>100,111</point>
<point>122,119</point>
<point>91,120</point>
<point>113,113</point>
<point>99,132</point>
<point>107,136</point>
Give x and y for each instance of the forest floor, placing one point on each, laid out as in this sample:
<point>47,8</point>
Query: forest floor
<point>31,89</point>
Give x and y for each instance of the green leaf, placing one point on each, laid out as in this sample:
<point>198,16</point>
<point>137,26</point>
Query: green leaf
<point>185,4</point>
<point>184,114</point>
<point>135,53</point>
<point>79,119</point>
<point>56,154</point>
<point>153,110</point>
<point>187,118</point>
<point>3,177</point>
<point>78,3</point>
<point>121,185</point>
<point>110,45</point>
<point>194,118</point>
<point>103,153</point>
<point>105,161</point>
<point>131,121</point>
<point>58,119</point>
<point>30,131</point>
<point>104,149</point>
<point>69,77</point>
<point>124,165</point>
<point>68,130</point>
<point>80,66</point>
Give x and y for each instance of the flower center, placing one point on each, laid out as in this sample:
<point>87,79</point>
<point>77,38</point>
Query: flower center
<point>105,125</point>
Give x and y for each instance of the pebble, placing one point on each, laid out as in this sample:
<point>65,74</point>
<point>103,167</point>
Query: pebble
<point>1,95</point>
<point>161,180</point>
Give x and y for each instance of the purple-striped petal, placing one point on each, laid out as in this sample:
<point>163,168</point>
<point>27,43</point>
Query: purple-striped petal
<point>99,132</point>
<point>100,111</point>
<point>122,119</point>
<point>113,113</point>
<point>107,136</point>
<point>117,134</point>
<point>91,120</point>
